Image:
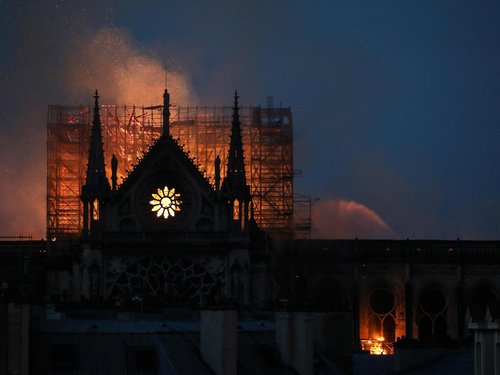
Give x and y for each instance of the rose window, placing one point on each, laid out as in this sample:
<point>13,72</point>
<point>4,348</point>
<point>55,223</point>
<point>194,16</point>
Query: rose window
<point>166,202</point>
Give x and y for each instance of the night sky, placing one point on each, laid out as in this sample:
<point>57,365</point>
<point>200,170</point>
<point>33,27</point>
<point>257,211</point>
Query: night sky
<point>395,103</point>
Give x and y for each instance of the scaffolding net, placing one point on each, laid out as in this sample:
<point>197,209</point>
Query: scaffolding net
<point>203,132</point>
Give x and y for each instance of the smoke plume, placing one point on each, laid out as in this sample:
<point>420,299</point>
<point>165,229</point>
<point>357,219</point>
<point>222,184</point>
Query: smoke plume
<point>59,53</point>
<point>124,74</point>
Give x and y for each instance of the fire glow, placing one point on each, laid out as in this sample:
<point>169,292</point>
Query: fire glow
<point>203,133</point>
<point>377,346</point>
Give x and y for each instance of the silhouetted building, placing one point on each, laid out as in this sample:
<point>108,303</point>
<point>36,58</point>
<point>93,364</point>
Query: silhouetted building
<point>173,273</point>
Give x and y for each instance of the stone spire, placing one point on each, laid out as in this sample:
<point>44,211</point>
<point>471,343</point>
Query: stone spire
<point>96,188</point>
<point>235,174</point>
<point>235,183</point>
<point>96,182</point>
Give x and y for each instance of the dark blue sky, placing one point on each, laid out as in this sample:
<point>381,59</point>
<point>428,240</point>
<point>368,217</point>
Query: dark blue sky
<point>395,103</point>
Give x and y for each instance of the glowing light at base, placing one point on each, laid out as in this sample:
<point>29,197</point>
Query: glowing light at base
<point>166,202</point>
<point>377,346</point>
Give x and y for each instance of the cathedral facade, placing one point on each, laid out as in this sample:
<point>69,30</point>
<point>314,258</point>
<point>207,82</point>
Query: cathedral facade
<point>166,237</point>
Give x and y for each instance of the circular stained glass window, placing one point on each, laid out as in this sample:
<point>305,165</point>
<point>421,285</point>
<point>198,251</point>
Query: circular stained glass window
<point>166,202</point>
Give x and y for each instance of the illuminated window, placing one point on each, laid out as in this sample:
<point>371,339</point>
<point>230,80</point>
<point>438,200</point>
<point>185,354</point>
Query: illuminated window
<point>166,202</point>
<point>381,323</point>
<point>236,210</point>
<point>95,210</point>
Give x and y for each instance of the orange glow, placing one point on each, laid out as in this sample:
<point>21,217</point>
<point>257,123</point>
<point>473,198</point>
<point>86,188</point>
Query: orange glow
<point>203,133</point>
<point>377,346</point>
<point>125,74</point>
<point>236,210</point>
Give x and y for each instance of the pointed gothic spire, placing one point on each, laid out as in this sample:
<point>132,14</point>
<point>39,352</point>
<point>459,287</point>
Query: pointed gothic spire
<point>96,189</point>
<point>235,174</point>
<point>96,183</point>
<point>235,184</point>
<point>166,113</point>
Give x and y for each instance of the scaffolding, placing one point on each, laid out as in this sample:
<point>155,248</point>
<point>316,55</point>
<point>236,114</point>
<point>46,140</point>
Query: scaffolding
<point>204,132</point>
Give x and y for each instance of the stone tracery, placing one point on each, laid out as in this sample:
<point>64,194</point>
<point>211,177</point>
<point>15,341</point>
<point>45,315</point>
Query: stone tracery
<point>167,277</point>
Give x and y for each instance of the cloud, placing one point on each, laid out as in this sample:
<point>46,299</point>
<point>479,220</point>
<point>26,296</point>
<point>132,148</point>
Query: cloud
<point>337,218</point>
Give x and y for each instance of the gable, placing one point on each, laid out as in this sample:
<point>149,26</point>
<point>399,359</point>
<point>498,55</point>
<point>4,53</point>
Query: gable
<point>164,192</point>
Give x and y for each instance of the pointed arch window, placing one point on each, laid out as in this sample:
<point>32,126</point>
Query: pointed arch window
<point>236,209</point>
<point>432,322</point>
<point>95,210</point>
<point>382,322</point>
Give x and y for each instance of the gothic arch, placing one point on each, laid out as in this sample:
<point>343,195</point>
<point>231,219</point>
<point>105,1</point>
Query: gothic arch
<point>432,313</point>
<point>382,305</point>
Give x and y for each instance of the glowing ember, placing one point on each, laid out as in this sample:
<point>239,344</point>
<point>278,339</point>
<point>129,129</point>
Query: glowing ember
<point>377,346</point>
<point>166,203</point>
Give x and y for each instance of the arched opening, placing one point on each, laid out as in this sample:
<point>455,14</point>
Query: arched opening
<point>236,209</point>
<point>95,210</point>
<point>432,320</point>
<point>382,301</point>
<point>381,322</point>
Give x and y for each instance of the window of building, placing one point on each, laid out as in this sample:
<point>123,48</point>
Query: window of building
<point>432,322</point>
<point>382,321</point>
